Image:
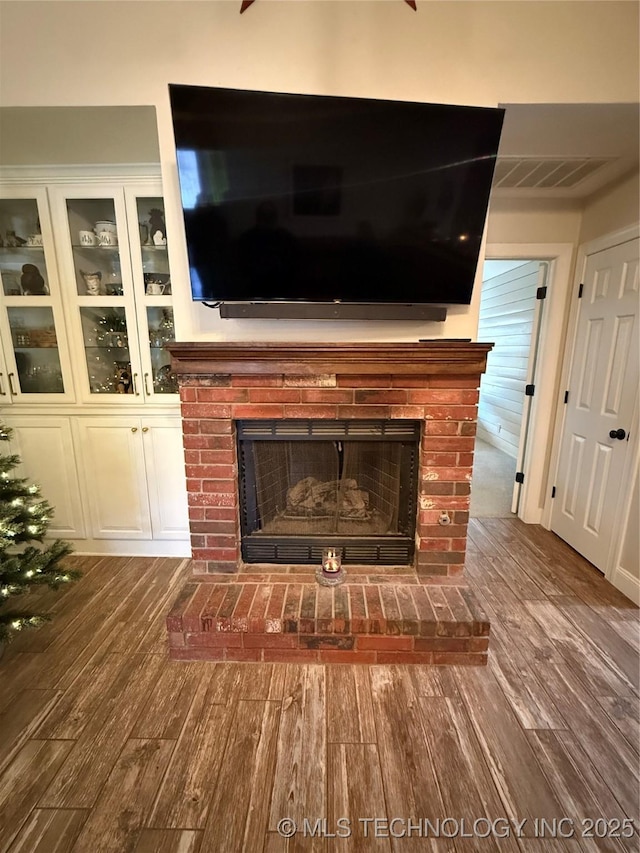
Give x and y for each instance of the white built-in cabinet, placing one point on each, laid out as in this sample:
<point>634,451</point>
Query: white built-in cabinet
<point>133,476</point>
<point>85,379</point>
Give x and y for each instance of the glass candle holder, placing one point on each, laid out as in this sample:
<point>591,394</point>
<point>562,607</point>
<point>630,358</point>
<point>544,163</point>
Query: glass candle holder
<point>331,561</point>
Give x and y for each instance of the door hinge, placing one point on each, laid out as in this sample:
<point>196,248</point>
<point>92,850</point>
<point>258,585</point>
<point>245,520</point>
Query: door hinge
<point>541,292</point>
<point>580,290</point>
<point>553,492</point>
<point>566,397</point>
<point>529,390</point>
<point>520,477</point>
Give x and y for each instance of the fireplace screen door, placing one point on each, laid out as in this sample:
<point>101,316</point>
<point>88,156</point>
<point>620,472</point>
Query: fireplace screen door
<point>306,485</point>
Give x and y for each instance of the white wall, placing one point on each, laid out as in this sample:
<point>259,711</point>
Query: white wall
<point>612,210</point>
<point>89,53</point>
<point>507,314</point>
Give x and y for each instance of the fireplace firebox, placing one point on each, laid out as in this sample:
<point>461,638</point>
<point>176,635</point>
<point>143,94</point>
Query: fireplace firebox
<point>309,484</point>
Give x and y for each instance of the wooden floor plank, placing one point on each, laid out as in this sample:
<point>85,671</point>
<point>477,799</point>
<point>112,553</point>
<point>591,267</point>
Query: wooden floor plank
<point>300,775</point>
<point>355,792</point>
<point>238,816</point>
<point>50,831</point>
<point>533,706</point>
<point>624,713</point>
<point>93,755</point>
<point>578,800</point>
<point>169,841</point>
<point>23,782</point>
<point>549,577</point>
<point>166,709</point>
<point>619,653</point>
<point>516,625</point>
<point>516,773</point>
<point>165,576</point>
<point>454,771</point>
<point>616,759</point>
<point>260,681</point>
<point>88,694</point>
<point>21,718</point>
<point>185,794</point>
<point>510,571</point>
<point>125,802</point>
<point>408,775</point>
<point>67,604</point>
<point>73,650</point>
<point>349,706</point>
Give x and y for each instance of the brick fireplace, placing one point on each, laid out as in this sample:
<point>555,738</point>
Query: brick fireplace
<point>421,608</point>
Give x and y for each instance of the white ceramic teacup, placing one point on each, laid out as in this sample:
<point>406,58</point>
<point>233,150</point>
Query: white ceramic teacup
<point>155,288</point>
<point>87,238</point>
<point>107,238</point>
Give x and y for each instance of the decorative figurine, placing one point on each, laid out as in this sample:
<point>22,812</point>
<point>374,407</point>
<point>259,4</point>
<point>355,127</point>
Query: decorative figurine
<point>157,227</point>
<point>123,379</point>
<point>14,241</point>
<point>31,281</point>
<point>93,282</point>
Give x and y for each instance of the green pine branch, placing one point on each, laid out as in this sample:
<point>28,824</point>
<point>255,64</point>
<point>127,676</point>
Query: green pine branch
<point>25,518</point>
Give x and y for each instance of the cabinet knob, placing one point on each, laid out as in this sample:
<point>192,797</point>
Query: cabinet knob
<point>135,384</point>
<point>11,388</point>
<point>146,385</point>
<point>145,429</point>
<point>3,393</point>
<point>134,429</point>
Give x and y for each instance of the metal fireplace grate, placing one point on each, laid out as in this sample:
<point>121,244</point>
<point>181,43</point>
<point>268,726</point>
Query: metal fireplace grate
<point>256,550</point>
<point>305,484</point>
<point>329,430</point>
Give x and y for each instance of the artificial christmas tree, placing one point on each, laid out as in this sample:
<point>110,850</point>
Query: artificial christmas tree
<point>24,518</point>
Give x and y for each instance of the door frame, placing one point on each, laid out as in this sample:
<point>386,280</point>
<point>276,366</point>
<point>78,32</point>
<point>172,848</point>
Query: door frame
<point>613,572</point>
<point>535,498</point>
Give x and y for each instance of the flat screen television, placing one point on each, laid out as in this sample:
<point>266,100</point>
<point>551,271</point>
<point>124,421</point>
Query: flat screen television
<point>325,199</point>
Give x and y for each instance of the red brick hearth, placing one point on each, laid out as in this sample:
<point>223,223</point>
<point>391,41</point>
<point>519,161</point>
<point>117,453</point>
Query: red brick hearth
<point>425,616</point>
<point>288,617</point>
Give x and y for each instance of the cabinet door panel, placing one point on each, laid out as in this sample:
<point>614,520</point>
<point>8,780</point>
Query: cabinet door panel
<point>166,478</point>
<point>114,472</point>
<point>45,447</point>
<point>32,329</point>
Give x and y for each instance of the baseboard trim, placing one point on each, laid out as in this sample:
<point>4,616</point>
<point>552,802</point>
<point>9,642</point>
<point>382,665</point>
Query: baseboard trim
<point>627,584</point>
<point>128,548</point>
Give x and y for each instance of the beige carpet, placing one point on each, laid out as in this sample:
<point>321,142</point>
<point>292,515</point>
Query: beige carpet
<point>492,485</point>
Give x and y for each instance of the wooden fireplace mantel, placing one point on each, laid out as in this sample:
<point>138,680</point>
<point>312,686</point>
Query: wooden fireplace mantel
<point>299,358</point>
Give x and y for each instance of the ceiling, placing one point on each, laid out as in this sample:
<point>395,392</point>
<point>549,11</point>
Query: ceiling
<point>566,150</point>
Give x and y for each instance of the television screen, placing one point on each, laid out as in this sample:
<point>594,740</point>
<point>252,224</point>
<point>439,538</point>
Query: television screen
<point>323,199</point>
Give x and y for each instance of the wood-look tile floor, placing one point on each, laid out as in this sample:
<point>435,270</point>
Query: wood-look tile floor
<point>107,745</point>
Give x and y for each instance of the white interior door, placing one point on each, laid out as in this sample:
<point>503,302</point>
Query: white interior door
<point>594,450</point>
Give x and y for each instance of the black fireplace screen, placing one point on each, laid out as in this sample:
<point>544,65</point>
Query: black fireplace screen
<point>309,484</point>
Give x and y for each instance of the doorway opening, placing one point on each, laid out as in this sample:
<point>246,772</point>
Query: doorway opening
<point>511,303</point>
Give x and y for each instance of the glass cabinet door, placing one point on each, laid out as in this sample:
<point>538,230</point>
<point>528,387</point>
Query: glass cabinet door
<point>33,335</point>
<point>94,241</point>
<point>153,295</point>
<point>160,326</point>
<point>97,265</point>
<point>23,267</point>
<point>106,347</point>
<point>35,348</point>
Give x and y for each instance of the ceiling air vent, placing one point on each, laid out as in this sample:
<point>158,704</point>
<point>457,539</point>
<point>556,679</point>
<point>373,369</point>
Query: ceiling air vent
<point>544,173</point>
